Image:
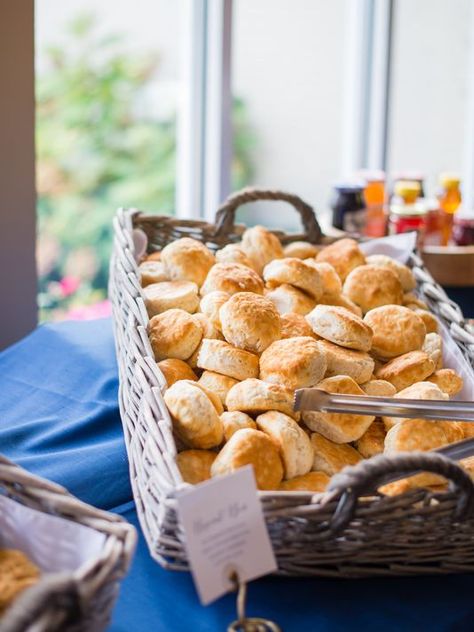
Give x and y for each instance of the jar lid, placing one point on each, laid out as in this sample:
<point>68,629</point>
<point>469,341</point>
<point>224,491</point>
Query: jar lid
<point>409,210</point>
<point>371,175</point>
<point>449,180</point>
<point>416,176</point>
<point>349,186</point>
<point>407,188</point>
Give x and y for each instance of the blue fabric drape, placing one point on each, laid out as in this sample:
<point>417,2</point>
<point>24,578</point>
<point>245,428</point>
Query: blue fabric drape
<point>59,418</point>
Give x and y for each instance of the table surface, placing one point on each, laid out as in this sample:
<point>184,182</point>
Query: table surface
<point>59,418</point>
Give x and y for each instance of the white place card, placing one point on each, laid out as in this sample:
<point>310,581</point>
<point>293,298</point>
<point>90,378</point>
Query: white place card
<point>225,533</point>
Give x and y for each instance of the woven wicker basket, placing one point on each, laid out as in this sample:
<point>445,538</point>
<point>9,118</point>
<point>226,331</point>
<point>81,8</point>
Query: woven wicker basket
<point>77,602</point>
<point>348,531</point>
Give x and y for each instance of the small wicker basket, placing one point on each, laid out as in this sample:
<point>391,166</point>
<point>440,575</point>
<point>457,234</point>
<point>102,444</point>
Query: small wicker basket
<point>81,601</point>
<point>351,530</point>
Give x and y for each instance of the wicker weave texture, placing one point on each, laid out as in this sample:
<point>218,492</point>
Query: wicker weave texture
<point>83,600</point>
<point>342,533</point>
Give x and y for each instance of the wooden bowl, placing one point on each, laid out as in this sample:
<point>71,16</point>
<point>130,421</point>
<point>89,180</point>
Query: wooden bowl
<point>452,266</point>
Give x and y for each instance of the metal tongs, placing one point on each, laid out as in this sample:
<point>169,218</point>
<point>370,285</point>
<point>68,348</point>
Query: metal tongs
<point>316,399</point>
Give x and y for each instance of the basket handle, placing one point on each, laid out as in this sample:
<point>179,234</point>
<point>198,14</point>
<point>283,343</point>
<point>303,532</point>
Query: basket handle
<point>358,480</point>
<point>58,593</point>
<point>225,216</point>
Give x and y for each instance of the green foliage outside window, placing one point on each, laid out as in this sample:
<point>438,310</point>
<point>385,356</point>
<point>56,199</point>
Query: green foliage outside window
<point>96,151</point>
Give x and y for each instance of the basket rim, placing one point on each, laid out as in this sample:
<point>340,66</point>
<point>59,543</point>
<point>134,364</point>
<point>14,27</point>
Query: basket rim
<point>40,494</point>
<point>132,214</point>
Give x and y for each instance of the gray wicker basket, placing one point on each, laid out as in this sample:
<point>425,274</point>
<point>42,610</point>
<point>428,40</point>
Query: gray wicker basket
<point>81,601</point>
<point>351,530</point>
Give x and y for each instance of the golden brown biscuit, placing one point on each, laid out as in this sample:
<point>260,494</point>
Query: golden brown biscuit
<point>194,416</point>
<point>232,278</point>
<point>372,441</point>
<point>221,357</point>
<point>211,304</point>
<point>330,457</point>
<point>310,482</point>
<point>294,272</point>
<point>236,420</point>
<point>288,299</point>
<point>192,360</point>
<point>331,283</point>
<point>419,390</point>
<point>378,388</point>
<point>293,362</point>
<point>340,361</point>
<point>467,428</point>
<point>300,250</point>
<point>154,256</point>
<point>433,346</point>
<point>209,330</point>
<point>195,465</point>
<point>175,370</point>
<point>397,330</point>
<point>171,295</point>
<point>174,334</point>
<point>425,479</point>
<point>152,272</point>
<point>404,273</point>
<point>340,326</point>
<point>344,255</point>
<point>293,442</point>
<point>294,325</point>
<point>217,383</point>
<point>421,434</point>
<point>261,246</point>
<point>407,369</point>
<point>447,380</point>
<point>430,321</point>
<point>422,480</point>
<point>187,260</point>
<point>17,572</point>
<point>214,397</point>
<point>372,286</point>
<point>339,300</point>
<point>250,322</point>
<point>251,447</point>
<point>233,253</point>
<point>338,427</point>
<point>256,396</point>
<point>412,301</point>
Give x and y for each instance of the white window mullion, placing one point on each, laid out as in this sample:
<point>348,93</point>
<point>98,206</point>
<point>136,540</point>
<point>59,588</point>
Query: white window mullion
<point>190,131</point>
<point>468,170</point>
<point>204,142</point>
<point>357,73</point>
<point>218,106</point>
<point>379,84</point>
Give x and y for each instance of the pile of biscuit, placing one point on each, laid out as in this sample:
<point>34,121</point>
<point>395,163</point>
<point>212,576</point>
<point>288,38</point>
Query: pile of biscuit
<point>236,332</point>
<point>17,573</point>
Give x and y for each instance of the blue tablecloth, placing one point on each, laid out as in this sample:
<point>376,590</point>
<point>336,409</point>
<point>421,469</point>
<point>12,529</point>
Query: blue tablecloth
<point>59,418</point>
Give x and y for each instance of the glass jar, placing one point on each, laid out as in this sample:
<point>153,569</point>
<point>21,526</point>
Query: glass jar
<point>449,197</point>
<point>374,197</point>
<point>348,207</point>
<point>434,223</point>
<point>407,191</point>
<point>405,218</point>
<point>408,176</point>
<point>463,228</point>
